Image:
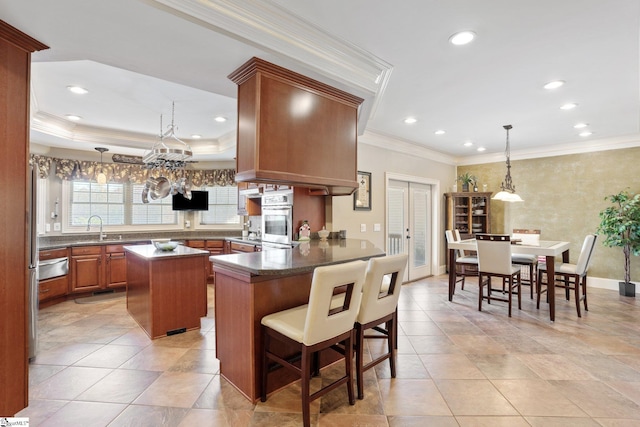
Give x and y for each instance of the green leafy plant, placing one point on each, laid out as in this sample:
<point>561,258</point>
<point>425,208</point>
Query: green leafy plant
<point>467,178</point>
<point>620,223</point>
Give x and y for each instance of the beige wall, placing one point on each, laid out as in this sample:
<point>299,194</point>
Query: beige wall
<point>563,196</point>
<point>379,161</point>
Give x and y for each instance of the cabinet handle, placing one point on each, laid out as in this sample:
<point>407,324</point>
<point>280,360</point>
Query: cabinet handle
<point>44,291</point>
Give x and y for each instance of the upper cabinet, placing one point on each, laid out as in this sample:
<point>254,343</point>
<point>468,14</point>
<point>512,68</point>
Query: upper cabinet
<point>294,130</point>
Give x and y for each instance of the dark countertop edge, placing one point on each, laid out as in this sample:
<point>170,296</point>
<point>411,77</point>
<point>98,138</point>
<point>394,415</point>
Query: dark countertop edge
<point>128,241</point>
<point>245,267</point>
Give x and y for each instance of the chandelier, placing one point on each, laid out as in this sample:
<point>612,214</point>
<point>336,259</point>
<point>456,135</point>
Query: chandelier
<point>168,154</point>
<point>101,178</point>
<point>508,193</point>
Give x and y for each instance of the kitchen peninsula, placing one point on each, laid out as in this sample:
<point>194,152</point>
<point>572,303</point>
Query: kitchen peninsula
<point>166,290</point>
<point>252,285</point>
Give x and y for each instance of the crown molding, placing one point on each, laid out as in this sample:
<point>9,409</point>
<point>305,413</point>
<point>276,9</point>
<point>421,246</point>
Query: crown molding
<point>616,143</point>
<point>267,26</point>
<point>386,142</point>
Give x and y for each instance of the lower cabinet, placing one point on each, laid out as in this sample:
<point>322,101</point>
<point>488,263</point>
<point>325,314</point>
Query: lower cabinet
<point>239,248</point>
<point>96,268</point>
<point>55,287</point>
<point>215,247</point>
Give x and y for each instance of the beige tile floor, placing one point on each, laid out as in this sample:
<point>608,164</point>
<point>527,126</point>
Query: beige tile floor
<point>456,367</point>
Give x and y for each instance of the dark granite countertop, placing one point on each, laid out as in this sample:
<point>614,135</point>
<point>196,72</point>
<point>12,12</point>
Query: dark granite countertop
<point>151,253</point>
<point>303,258</point>
<point>55,242</point>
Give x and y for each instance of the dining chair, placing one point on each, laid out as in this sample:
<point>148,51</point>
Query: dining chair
<point>528,262</point>
<point>314,327</point>
<point>463,260</point>
<point>379,305</point>
<point>494,260</point>
<point>571,276</point>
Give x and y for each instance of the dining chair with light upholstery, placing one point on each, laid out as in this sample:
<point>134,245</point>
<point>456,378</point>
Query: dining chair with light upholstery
<point>379,304</point>
<point>314,327</point>
<point>529,262</point>
<point>571,276</point>
<point>494,260</point>
<point>463,260</point>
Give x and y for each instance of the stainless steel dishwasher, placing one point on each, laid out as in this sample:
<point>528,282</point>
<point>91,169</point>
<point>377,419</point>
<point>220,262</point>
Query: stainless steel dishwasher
<point>53,268</point>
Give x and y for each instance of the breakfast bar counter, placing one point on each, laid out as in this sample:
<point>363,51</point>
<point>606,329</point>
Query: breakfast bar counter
<point>249,286</point>
<point>166,290</point>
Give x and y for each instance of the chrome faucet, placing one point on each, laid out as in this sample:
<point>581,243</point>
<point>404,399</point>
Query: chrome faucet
<point>102,236</point>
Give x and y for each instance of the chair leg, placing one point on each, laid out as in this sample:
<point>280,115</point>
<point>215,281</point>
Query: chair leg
<point>480,290</point>
<point>539,289</point>
<point>510,292</point>
<point>360,360</point>
<point>576,286</point>
<point>584,292</point>
<point>519,288</point>
<point>531,281</point>
<point>391,327</point>
<point>265,366</point>
<point>348,368</point>
<point>305,366</point>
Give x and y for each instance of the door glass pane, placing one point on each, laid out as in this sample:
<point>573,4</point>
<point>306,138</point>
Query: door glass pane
<point>396,226</point>
<point>420,214</point>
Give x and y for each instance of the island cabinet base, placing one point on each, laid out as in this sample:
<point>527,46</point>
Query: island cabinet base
<point>242,300</point>
<point>167,295</point>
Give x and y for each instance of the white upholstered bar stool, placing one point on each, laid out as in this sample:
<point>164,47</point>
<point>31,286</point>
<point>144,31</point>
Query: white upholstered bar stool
<point>530,262</point>
<point>571,276</point>
<point>494,260</point>
<point>379,305</point>
<point>317,326</point>
<point>462,259</point>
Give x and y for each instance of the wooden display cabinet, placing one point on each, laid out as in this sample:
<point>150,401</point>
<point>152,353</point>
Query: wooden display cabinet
<point>469,212</point>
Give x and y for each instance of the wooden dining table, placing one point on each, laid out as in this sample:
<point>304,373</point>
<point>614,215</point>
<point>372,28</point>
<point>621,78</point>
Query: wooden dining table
<point>547,248</point>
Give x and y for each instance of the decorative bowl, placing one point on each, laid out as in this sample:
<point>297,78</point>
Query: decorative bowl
<point>323,234</point>
<point>164,244</point>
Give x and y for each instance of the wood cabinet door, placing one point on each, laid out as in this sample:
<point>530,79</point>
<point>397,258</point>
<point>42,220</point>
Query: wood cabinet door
<point>85,273</point>
<point>116,271</point>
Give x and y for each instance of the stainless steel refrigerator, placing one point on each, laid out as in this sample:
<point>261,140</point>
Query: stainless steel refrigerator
<point>32,254</point>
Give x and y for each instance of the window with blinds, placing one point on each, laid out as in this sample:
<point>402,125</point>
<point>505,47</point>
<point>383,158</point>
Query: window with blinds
<point>223,206</point>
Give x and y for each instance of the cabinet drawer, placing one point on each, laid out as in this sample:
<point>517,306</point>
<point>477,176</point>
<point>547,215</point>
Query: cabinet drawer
<point>52,287</point>
<point>241,247</point>
<point>46,254</point>
<point>195,243</point>
<point>86,250</point>
<point>215,244</point>
<point>115,248</point>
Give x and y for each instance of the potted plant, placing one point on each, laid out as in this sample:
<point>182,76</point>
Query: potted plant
<point>467,179</point>
<point>620,223</point>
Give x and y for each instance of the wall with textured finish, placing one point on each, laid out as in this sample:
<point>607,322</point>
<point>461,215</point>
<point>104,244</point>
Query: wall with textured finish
<point>562,197</point>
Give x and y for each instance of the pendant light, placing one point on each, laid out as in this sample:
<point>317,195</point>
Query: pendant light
<point>508,193</point>
<point>101,178</point>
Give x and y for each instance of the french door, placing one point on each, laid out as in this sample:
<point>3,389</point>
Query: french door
<point>410,224</point>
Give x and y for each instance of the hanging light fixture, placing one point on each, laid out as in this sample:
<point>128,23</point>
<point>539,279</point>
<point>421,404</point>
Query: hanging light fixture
<point>508,193</point>
<point>101,178</point>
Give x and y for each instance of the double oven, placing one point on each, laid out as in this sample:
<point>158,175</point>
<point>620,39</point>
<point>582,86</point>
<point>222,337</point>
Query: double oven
<point>277,219</point>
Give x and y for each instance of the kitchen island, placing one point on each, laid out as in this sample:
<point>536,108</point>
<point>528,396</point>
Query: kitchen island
<point>251,285</point>
<point>166,290</point>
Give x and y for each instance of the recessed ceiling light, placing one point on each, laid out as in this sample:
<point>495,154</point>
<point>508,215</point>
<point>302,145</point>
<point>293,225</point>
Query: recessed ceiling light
<point>440,132</point>
<point>585,133</point>
<point>481,148</point>
<point>77,90</point>
<point>569,106</point>
<point>410,120</point>
<point>73,117</point>
<point>220,119</point>
<point>462,38</point>
<point>554,84</point>
<point>196,136</point>
<point>468,144</point>
<point>580,125</point>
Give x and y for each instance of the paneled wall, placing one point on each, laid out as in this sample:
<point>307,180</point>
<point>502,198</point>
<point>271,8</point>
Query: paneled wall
<point>563,196</point>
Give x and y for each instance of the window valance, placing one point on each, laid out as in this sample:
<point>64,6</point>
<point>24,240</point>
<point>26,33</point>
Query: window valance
<point>69,170</point>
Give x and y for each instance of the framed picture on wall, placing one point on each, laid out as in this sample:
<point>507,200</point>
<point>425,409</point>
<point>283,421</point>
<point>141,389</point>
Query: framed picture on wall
<point>362,196</point>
